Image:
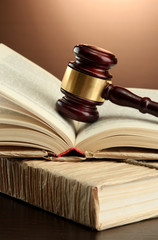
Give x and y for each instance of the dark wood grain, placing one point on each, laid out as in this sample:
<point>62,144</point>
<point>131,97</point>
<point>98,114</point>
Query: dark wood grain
<point>77,108</point>
<point>124,97</point>
<point>95,62</point>
<point>92,61</point>
<point>21,221</point>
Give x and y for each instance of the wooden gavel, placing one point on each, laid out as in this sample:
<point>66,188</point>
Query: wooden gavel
<point>87,83</point>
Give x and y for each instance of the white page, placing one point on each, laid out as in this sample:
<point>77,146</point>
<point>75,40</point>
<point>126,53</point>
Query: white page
<point>11,117</point>
<point>7,104</point>
<point>117,117</point>
<point>15,134</point>
<point>34,89</point>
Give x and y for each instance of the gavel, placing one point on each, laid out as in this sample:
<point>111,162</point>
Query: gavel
<point>87,83</point>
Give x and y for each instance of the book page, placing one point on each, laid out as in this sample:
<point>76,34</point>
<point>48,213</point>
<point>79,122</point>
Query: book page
<point>10,119</point>
<point>34,89</point>
<point>21,136</point>
<point>116,121</point>
<point>7,104</point>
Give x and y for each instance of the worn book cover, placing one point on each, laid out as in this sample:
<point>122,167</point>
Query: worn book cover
<point>98,194</point>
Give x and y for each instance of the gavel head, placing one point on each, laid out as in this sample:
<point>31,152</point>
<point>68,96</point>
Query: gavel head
<point>84,82</point>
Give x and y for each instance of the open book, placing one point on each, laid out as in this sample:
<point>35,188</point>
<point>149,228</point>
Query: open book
<point>30,123</point>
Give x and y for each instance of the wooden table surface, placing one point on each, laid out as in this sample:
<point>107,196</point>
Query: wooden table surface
<point>22,221</point>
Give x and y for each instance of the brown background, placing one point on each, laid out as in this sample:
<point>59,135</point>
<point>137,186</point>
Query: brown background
<point>46,31</point>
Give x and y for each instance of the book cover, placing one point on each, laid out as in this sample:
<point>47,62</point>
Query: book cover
<point>98,194</point>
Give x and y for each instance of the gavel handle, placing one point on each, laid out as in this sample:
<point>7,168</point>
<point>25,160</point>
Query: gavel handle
<point>124,97</point>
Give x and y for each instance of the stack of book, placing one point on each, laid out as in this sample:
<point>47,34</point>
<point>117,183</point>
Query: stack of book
<point>101,175</point>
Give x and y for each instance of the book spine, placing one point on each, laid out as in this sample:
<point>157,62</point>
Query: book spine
<point>71,150</point>
<point>53,192</point>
